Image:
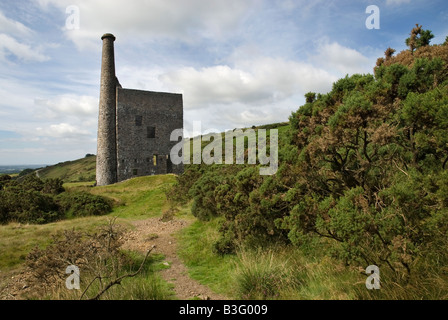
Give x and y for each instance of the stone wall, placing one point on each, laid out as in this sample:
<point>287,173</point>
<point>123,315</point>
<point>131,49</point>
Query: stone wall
<point>145,121</point>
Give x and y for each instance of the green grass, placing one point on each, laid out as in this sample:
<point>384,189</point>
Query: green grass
<point>261,274</point>
<point>138,198</point>
<point>147,285</point>
<point>280,272</point>
<point>71,171</point>
<point>196,250</point>
<point>71,185</point>
<point>282,128</point>
<point>17,240</point>
<point>325,278</point>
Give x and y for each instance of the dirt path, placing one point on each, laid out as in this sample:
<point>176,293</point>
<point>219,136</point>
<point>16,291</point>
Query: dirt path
<point>153,231</point>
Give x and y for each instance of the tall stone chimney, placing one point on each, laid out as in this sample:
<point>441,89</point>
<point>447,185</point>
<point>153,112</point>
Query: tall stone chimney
<point>106,161</point>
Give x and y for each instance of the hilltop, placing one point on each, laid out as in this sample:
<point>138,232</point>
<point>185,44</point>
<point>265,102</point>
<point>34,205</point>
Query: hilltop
<point>81,170</point>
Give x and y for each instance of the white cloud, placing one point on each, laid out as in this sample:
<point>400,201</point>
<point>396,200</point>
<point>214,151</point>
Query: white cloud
<point>24,151</point>
<point>258,81</point>
<point>136,77</point>
<point>342,60</point>
<point>67,105</point>
<point>397,2</point>
<point>24,52</point>
<point>245,92</point>
<point>176,19</point>
<point>17,98</point>
<point>62,130</point>
<point>236,115</point>
<point>13,27</point>
<point>259,90</point>
<point>78,117</point>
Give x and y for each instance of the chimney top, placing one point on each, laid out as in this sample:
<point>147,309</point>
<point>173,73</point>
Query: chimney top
<point>108,35</point>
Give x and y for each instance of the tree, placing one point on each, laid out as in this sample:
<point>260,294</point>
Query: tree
<point>419,38</point>
<point>4,179</point>
<point>310,97</point>
<point>379,62</point>
<point>25,172</point>
<point>389,53</point>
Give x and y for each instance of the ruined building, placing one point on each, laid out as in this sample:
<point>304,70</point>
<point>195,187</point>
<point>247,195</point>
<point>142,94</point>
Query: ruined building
<point>134,127</point>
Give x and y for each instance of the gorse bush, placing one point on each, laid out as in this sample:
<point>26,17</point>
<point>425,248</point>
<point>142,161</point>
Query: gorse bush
<point>33,200</point>
<point>372,174</point>
<point>82,204</point>
<point>362,169</point>
<point>30,201</point>
<point>4,179</point>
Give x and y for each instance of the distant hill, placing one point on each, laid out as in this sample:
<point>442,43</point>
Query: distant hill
<point>16,169</point>
<point>82,170</point>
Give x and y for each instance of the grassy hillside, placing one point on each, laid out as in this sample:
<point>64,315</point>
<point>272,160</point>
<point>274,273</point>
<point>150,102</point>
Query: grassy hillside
<point>81,170</point>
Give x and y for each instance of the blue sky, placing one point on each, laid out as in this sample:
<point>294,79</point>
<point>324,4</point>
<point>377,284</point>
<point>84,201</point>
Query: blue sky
<point>237,63</point>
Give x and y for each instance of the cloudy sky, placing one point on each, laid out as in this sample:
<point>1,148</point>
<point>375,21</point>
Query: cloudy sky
<point>237,63</point>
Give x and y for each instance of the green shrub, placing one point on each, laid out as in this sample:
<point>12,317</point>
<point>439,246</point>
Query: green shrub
<point>26,172</point>
<point>82,204</point>
<point>4,180</point>
<point>33,200</point>
<point>27,206</point>
<point>31,182</point>
<point>53,186</point>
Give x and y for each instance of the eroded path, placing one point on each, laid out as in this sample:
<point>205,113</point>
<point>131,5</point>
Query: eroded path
<point>156,232</point>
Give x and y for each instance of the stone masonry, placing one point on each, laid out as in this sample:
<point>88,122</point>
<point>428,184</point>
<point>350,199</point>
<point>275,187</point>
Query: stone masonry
<point>134,127</point>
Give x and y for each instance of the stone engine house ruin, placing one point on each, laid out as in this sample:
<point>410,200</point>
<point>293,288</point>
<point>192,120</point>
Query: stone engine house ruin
<point>134,127</point>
